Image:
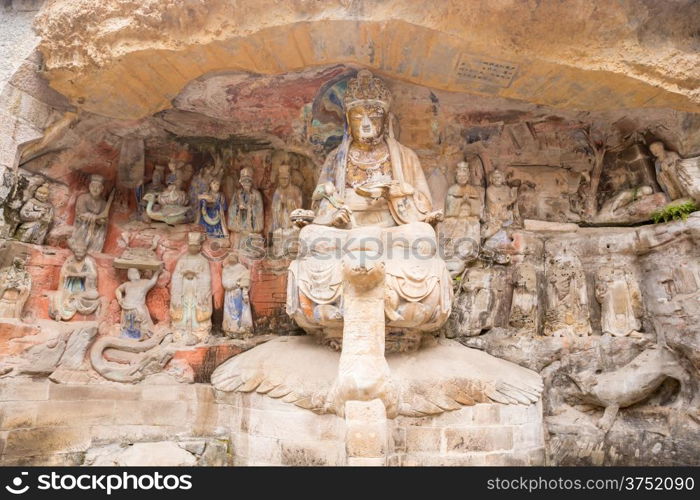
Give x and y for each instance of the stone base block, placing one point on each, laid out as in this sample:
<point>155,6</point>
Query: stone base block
<point>266,431</point>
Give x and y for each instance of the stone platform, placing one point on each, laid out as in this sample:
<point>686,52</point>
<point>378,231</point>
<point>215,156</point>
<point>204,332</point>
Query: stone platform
<point>266,431</point>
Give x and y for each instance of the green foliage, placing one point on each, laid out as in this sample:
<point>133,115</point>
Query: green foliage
<point>674,212</point>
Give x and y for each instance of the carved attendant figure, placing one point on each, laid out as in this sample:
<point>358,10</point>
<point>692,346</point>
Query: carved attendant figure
<point>91,214</point>
<point>460,231</point>
<point>245,215</point>
<point>190,294</point>
<point>136,321</point>
<point>286,199</point>
<point>212,211</point>
<point>500,203</point>
<point>524,306</point>
<point>567,298</point>
<point>77,286</point>
<point>15,285</point>
<point>235,278</point>
<point>35,216</point>
<point>620,302</point>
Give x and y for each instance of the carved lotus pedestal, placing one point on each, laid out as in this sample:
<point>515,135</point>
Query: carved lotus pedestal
<point>456,406</point>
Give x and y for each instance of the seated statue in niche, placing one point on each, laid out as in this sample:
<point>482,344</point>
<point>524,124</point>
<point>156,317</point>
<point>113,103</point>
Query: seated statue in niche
<point>245,214</point>
<point>92,214</point>
<point>679,178</point>
<point>238,317</point>
<point>524,313</point>
<point>372,262</point>
<point>287,198</point>
<point>567,312</point>
<point>212,211</point>
<point>77,286</point>
<point>460,231</point>
<point>620,302</point>
<point>35,217</point>
<point>171,205</point>
<point>15,285</point>
<point>136,322</point>
<point>190,294</point>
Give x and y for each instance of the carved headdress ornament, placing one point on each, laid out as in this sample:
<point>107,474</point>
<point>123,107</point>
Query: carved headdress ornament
<point>366,89</point>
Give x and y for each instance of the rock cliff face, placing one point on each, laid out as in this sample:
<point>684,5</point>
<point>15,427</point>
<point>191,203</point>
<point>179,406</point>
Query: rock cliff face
<point>565,98</point>
<point>572,54</point>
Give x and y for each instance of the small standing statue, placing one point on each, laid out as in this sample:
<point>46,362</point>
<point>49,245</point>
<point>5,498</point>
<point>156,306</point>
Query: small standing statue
<point>286,199</point>
<point>620,302</point>
<point>190,294</point>
<point>15,285</point>
<point>523,310</point>
<point>678,177</point>
<point>238,318</point>
<point>245,215</point>
<point>35,217</point>
<point>136,321</point>
<point>567,298</point>
<point>460,231</point>
<point>500,204</point>
<point>77,285</point>
<point>91,214</point>
<point>201,183</point>
<point>212,211</point>
<point>478,302</point>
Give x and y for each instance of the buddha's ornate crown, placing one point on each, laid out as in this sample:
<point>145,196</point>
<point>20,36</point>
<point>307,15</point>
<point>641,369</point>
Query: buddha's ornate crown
<point>365,88</point>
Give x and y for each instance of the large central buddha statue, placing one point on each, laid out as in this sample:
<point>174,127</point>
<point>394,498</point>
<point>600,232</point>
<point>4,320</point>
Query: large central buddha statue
<point>368,275</point>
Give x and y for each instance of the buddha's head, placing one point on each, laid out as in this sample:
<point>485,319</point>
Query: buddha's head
<point>42,193</point>
<point>97,185</point>
<point>496,178</point>
<point>246,179</point>
<point>194,243</point>
<point>79,250</point>
<point>366,107</point>
<point>285,176</point>
<point>657,149</point>
<point>215,185</point>
<point>462,173</point>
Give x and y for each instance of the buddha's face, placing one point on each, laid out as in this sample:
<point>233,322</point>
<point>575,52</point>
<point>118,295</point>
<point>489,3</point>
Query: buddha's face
<point>42,194</point>
<point>96,188</point>
<point>215,186</point>
<point>657,149</point>
<point>193,248</point>
<point>247,184</point>
<point>462,176</point>
<point>80,252</point>
<point>497,178</point>
<point>367,122</point>
<point>284,178</point>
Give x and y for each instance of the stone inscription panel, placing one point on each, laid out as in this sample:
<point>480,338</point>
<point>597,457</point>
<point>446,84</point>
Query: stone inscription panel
<point>486,71</point>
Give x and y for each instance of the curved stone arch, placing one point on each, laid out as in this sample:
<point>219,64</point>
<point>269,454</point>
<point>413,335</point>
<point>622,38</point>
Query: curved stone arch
<point>150,78</point>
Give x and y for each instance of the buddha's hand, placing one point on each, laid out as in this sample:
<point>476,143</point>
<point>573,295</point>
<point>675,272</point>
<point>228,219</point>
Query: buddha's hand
<point>399,189</point>
<point>434,217</point>
<point>341,217</point>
